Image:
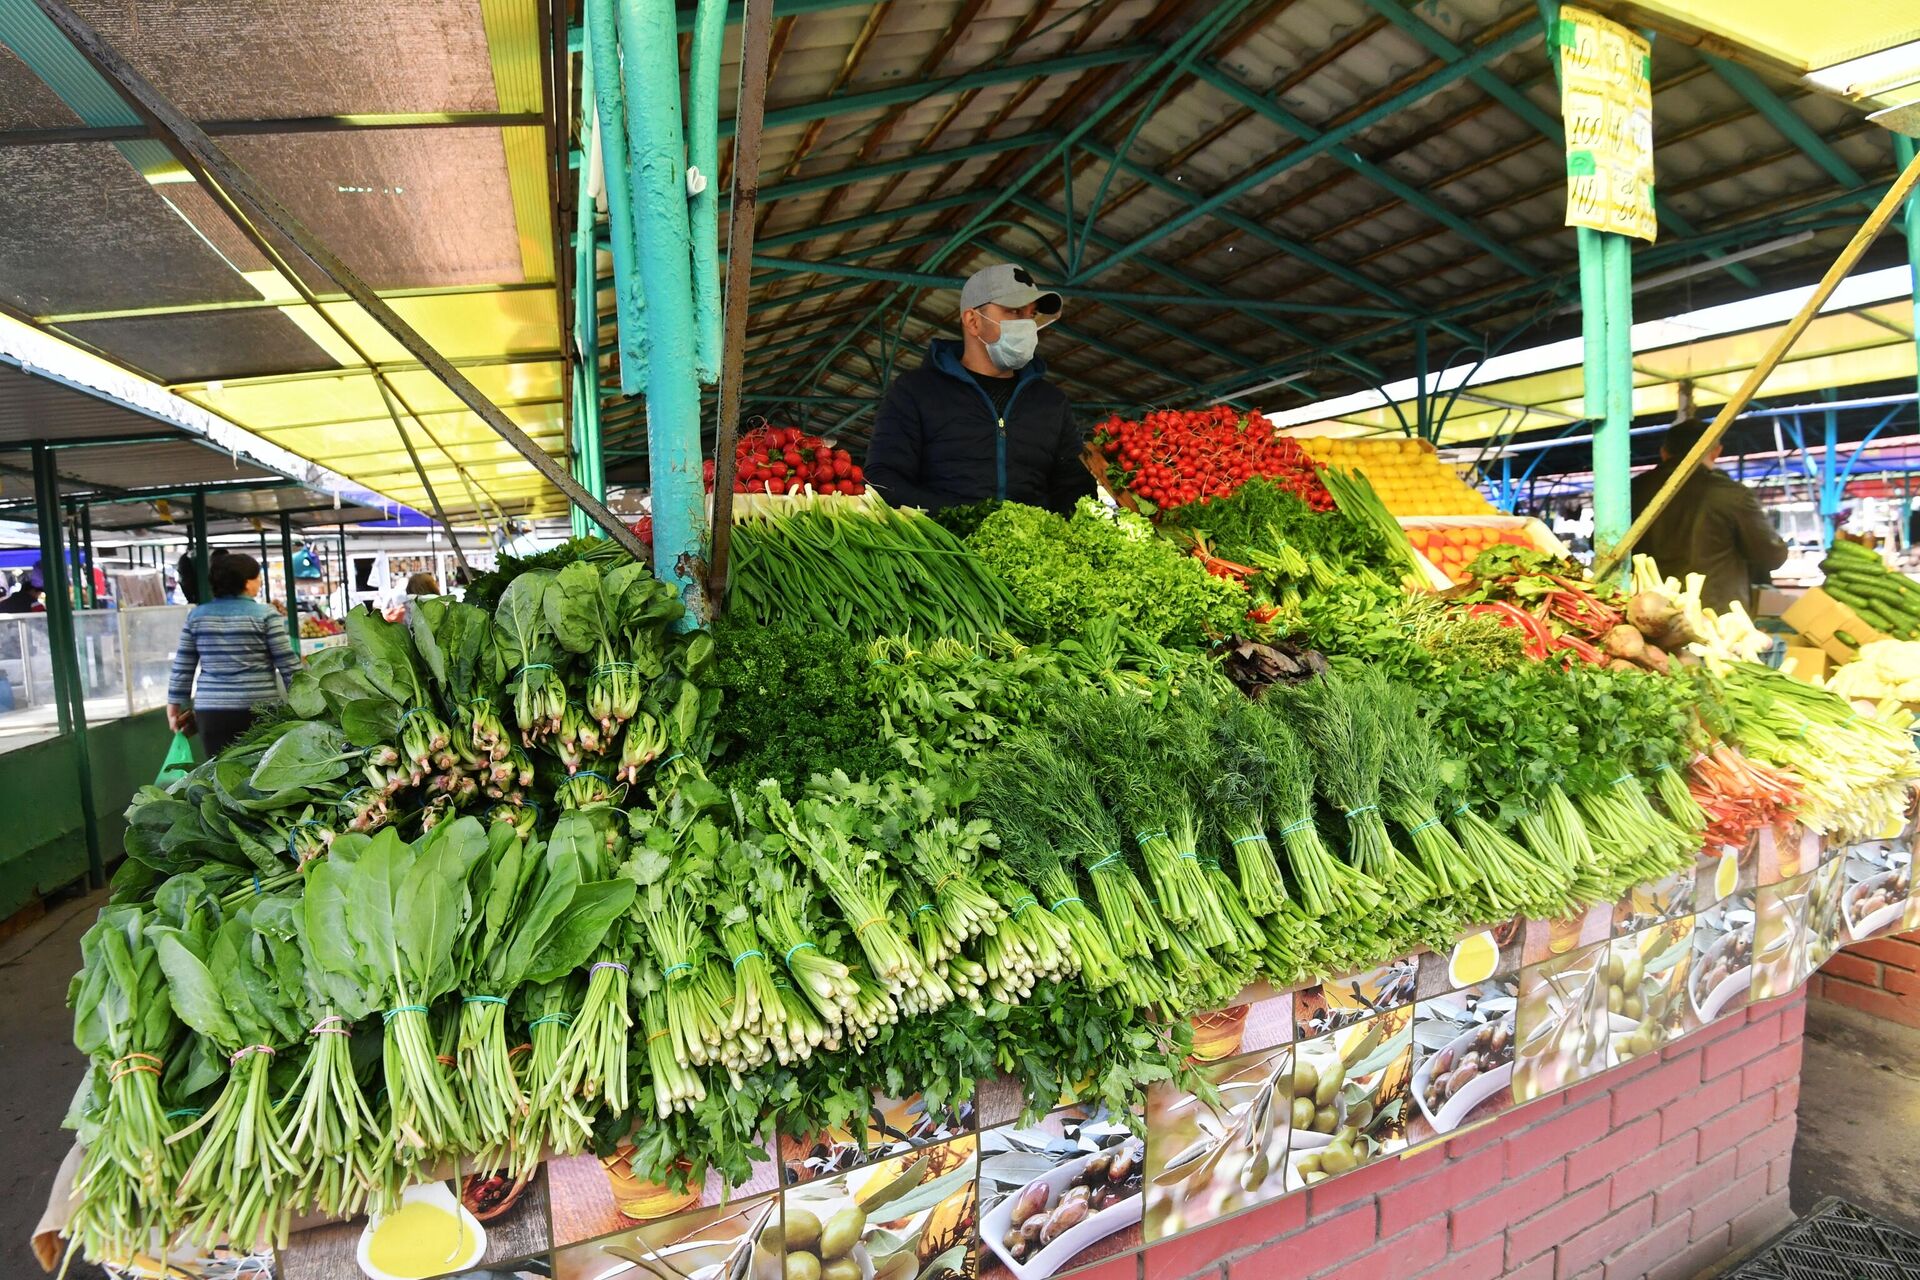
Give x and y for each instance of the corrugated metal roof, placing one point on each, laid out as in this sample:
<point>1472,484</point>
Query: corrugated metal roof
<point>1451,205</point>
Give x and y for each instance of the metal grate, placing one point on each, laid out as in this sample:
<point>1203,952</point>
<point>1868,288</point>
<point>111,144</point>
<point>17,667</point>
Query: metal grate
<point>1835,1240</point>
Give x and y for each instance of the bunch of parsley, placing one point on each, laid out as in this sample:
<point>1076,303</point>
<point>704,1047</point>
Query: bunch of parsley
<point>794,703</point>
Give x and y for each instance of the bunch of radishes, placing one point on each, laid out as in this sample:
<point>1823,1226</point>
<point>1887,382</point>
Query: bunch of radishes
<point>785,460</point>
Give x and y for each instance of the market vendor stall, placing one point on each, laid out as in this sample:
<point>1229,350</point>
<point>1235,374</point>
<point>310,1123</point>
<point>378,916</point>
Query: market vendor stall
<point>992,892</point>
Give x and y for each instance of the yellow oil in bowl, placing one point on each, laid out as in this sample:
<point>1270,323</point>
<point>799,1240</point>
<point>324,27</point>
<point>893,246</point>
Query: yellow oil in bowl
<point>421,1238</point>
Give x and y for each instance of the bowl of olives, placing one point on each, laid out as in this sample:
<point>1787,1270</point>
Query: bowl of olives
<point>1465,1072</point>
<point>1877,903</point>
<point>1039,1229</point>
<point>1724,971</point>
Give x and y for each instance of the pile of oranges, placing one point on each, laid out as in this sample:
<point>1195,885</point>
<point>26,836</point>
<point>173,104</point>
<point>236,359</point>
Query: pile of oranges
<point>1407,474</point>
<point>1452,550</point>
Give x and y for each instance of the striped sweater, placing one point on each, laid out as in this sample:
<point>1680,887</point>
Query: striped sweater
<point>241,650</point>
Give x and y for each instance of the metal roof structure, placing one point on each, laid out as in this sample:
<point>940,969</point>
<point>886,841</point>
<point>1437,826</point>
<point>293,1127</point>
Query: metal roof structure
<point>1307,188</point>
<point>417,140</point>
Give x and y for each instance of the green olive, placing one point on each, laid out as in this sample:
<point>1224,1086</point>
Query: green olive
<point>1615,1001</point>
<point>1324,1120</point>
<point>802,1266</point>
<point>1336,1075</point>
<point>1635,974</point>
<point>1303,1113</point>
<point>840,1269</point>
<point>841,1233</point>
<point>1309,1163</point>
<point>803,1229</point>
<point>1305,1079</point>
<point>1632,1007</point>
<point>1616,969</point>
<point>1337,1159</point>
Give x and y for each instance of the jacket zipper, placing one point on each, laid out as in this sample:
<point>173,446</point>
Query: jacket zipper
<point>1000,432</point>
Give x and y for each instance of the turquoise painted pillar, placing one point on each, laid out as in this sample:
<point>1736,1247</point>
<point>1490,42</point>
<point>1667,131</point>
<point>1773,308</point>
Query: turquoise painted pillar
<point>703,154</point>
<point>1613,439</point>
<point>604,89</point>
<point>1830,475</point>
<point>650,67</point>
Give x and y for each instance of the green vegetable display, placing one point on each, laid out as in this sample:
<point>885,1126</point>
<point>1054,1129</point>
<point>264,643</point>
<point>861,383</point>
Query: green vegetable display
<point>562,872</point>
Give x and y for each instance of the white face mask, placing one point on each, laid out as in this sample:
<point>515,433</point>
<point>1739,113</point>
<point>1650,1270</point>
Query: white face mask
<point>1015,346</point>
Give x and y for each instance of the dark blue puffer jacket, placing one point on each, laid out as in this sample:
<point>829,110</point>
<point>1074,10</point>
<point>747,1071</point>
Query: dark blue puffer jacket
<point>938,441</point>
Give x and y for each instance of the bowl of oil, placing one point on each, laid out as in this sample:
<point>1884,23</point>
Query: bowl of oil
<point>430,1234</point>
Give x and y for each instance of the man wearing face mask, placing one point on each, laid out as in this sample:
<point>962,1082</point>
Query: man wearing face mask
<point>979,419</point>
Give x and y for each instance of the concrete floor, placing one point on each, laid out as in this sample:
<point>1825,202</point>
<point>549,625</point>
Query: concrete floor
<point>1859,1112</point>
<point>39,1071</point>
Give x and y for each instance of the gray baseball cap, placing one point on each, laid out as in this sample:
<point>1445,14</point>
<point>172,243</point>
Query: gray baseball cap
<point>1010,286</point>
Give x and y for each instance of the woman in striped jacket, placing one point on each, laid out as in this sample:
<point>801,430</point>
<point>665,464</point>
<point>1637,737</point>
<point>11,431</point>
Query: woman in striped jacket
<point>240,650</point>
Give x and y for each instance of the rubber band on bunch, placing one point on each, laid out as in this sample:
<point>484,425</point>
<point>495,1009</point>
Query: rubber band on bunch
<point>1365,808</point>
<point>1430,822</point>
<point>563,1019</point>
<point>324,1027</point>
<point>484,1000</point>
<point>249,1050</point>
<point>397,1010</point>
<point>797,948</point>
<point>681,967</point>
<point>748,954</point>
<point>147,1063</point>
<point>1112,857</point>
<point>598,965</point>
<point>1292,827</point>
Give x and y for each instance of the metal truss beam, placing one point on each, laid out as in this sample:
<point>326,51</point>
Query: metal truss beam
<point>1783,118</point>
<point>1332,144</point>
<point>1164,62</point>
<point>884,217</point>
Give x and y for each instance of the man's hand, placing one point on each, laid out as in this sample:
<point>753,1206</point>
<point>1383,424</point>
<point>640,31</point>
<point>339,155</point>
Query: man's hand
<point>179,718</point>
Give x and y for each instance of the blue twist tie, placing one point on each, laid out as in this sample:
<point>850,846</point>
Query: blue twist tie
<point>801,947</point>
<point>744,954</point>
<point>588,773</point>
<point>393,1013</point>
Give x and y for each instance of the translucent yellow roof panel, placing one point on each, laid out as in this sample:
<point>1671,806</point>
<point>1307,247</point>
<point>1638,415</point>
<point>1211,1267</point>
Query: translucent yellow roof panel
<point>272,404</point>
<point>1795,33</point>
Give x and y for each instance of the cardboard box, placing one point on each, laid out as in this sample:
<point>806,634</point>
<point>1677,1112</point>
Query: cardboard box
<point>1806,663</point>
<point>1817,616</point>
<point>1773,602</point>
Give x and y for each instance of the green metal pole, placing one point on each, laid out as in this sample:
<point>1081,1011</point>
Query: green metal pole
<point>200,556</point>
<point>266,579</point>
<point>651,67</point>
<point>64,652</point>
<point>1903,148</point>
<point>86,548</point>
<point>1423,403</point>
<point>76,593</point>
<point>703,154</point>
<point>346,574</point>
<point>286,569</point>
<point>1612,440</point>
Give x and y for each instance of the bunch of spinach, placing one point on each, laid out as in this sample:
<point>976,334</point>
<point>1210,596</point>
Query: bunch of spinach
<point>537,918</point>
<point>529,650</point>
<point>396,911</point>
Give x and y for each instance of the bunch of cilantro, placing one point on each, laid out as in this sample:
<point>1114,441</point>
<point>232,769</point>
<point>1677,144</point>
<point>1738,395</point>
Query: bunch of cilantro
<point>1067,573</point>
<point>794,704</point>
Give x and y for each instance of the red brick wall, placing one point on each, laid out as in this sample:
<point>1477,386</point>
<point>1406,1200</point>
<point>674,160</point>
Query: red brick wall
<point>1656,1169</point>
<point>1880,977</point>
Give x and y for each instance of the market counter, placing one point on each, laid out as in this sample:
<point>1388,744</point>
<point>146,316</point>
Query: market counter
<point>1661,1167</point>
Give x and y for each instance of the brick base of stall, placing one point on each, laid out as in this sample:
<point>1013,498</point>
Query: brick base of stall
<point>1662,1168</point>
<point>1880,977</point>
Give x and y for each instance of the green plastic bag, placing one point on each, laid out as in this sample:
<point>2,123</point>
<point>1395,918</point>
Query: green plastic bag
<point>179,761</point>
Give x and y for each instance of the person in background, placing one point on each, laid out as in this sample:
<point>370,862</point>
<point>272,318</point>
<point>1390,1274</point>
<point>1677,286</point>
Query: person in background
<point>979,419</point>
<point>240,650</point>
<point>1714,526</point>
<point>423,584</point>
<point>25,599</point>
